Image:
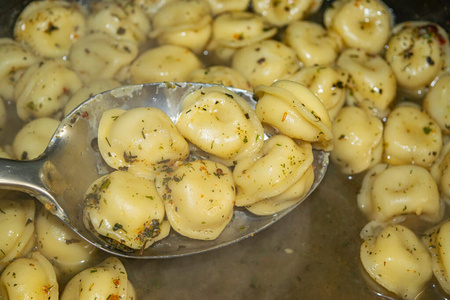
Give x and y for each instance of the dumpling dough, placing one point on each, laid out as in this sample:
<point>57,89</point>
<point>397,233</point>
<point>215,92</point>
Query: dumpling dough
<point>126,210</point>
<point>66,250</point>
<point>292,196</point>
<point>437,103</point>
<point>313,43</point>
<point>437,241</point>
<point>265,62</point>
<point>220,75</point>
<point>277,167</point>
<point>283,12</point>
<point>87,91</point>
<point>411,136</point>
<point>357,140</point>
<point>294,111</point>
<point>108,280</point>
<point>142,140</point>
<point>199,198</point>
<point>327,83</point>
<point>371,83</point>
<point>123,21</point>
<point>236,29</point>
<point>16,229</point>
<point>441,172</point>
<point>418,52</point>
<point>388,192</point>
<point>184,23</point>
<point>364,24</point>
<point>100,56</point>
<point>164,63</point>
<point>397,260</point>
<point>50,28</point>
<point>33,138</point>
<point>221,6</point>
<point>221,123</point>
<point>14,59</point>
<point>45,88</point>
<point>29,278</point>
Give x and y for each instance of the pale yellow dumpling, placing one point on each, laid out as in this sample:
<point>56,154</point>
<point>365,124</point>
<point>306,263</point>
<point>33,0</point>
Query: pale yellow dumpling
<point>29,278</point>
<point>294,111</point>
<point>372,84</point>
<point>284,12</point>
<point>418,52</point>
<point>397,260</point>
<point>388,192</point>
<point>437,103</point>
<point>357,140</point>
<point>277,167</point>
<point>411,136</point>
<point>44,89</point>
<point>441,172</point>
<point>265,62</point>
<point>50,28</point>
<point>16,229</point>
<point>220,6</point>
<point>107,280</point>
<point>141,140</point>
<point>364,24</point>
<point>220,75</point>
<point>199,198</point>
<point>67,251</point>
<point>126,210</point>
<point>221,123</point>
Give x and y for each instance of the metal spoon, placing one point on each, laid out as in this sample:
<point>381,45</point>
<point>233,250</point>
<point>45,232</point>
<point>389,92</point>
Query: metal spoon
<point>60,177</point>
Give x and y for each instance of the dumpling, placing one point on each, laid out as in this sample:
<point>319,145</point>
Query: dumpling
<point>220,75</point>
<point>437,103</point>
<point>418,52</point>
<point>371,83</point>
<point>389,192</point>
<point>234,30</point>
<point>164,63</point>
<point>312,42</point>
<point>29,278</point>
<point>16,229</point>
<point>126,210</point>
<point>87,91</point>
<point>277,167</point>
<point>292,196</point>
<point>150,7</point>
<point>121,20</point>
<point>357,140</point>
<point>221,123</point>
<point>14,59</point>
<point>66,250</point>
<point>362,24</point>
<point>327,83</point>
<point>45,88</point>
<point>198,197</point>
<point>397,260</point>
<point>50,28</point>
<point>265,62</point>
<point>142,140</point>
<point>411,136</point>
<point>100,56</point>
<point>283,12</point>
<point>184,23</point>
<point>437,241</point>
<point>441,172</point>
<point>107,280</point>
<point>33,138</point>
<point>294,111</point>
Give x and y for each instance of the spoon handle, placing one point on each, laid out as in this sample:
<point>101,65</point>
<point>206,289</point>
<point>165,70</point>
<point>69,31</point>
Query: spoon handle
<point>29,177</point>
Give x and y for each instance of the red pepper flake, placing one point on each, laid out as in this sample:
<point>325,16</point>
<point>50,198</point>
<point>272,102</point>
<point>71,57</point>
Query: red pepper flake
<point>284,117</point>
<point>85,115</point>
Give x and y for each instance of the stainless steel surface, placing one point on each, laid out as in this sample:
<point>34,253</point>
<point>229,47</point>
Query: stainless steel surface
<point>312,253</point>
<point>71,163</point>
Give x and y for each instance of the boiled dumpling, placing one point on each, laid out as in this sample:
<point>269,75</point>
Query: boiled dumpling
<point>141,140</point>
<point>199,198</point>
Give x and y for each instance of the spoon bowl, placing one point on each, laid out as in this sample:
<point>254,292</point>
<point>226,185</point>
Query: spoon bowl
<point>60,177</point>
